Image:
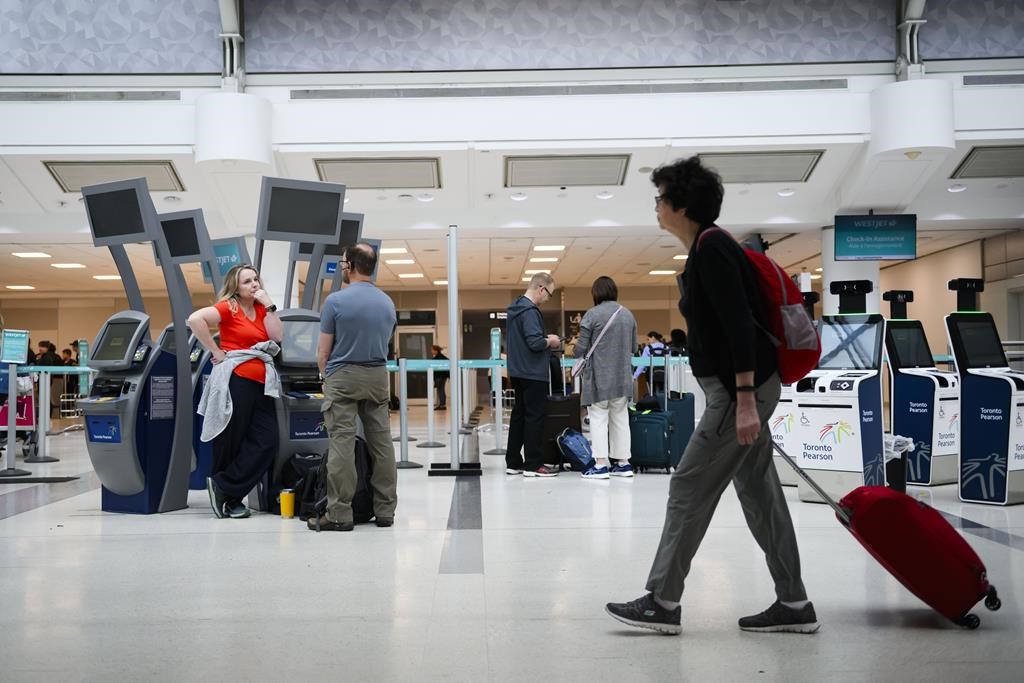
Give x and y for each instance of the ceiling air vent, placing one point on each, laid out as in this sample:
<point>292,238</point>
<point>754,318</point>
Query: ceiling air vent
<point>763,167</point>
<point>72,175</point>
<point>992,162</point>
<point>566,170</point>
<point>381,174</point>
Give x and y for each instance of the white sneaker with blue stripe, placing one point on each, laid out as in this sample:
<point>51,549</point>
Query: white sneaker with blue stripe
<point>596,472</point>
<point>622,470</point>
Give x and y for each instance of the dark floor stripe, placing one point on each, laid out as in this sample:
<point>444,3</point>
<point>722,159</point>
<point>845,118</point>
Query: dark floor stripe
<point>463,551</point>
<point>988,533</point>
<point>24,500</point>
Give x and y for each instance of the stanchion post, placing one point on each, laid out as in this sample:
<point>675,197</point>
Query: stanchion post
<point>42,421</point>
<point>12,424</point>
<point>496,390</point>
<point>430,443</point>
<point>403,418</point>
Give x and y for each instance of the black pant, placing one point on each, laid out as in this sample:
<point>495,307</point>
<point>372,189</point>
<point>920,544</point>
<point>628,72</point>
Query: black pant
<point>439,382</point>
<point>245,450</point>
<point>526,426</point>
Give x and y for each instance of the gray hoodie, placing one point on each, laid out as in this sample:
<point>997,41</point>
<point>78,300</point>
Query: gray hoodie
<point>528,354</point>
<point>215,404</point>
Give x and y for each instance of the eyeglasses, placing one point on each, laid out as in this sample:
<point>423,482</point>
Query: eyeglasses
<point>659,198</point>
<point>547,290</point>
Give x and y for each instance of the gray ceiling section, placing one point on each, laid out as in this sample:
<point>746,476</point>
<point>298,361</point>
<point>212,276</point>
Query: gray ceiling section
<point>109,37</point>
<point>968,29</point>
<point>442,35</point>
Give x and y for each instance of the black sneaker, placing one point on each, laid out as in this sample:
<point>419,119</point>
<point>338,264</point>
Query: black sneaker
<point>236,509</point>
<point>646,613</point>
<point>779,618</point>
<point>216,498</point>
<point>384,521</point>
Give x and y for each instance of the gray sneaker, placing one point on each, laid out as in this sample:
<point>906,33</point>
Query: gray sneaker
<point>645,612</point>
<point>216,498</point>
<point>779,618</point>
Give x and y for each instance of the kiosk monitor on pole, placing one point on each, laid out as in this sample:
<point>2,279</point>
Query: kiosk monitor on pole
<point>298,211</point>
<point>851,342</point>
<point>298,347</point>
<point>907,345</point>
<point>975,341</point>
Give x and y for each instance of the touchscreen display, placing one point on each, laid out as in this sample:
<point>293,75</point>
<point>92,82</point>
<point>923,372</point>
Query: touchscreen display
<point>911,347</point>
<point>114,345</point>
<point>298,347</point>
<point>981,343</point>
<point>850,345</point>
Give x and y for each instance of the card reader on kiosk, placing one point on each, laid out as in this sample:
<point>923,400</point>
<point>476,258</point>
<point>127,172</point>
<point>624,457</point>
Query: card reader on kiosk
<point>839,405</point>
<point>924,401</point>
<point>129,414</point>
<point>991,405</point>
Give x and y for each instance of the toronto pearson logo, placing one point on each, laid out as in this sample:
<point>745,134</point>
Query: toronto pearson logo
<point>783,424</point>
<point>835,431</point>
<point>984,471</point>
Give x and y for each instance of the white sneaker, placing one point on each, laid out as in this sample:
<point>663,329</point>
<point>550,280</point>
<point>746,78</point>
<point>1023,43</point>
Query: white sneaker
<point>512,470</point>
<point>596,472</point>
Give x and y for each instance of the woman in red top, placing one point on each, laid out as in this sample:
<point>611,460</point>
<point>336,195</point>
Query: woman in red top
<point>245,450</point>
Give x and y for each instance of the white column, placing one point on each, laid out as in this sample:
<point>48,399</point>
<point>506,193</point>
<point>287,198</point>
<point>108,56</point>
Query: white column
<point>833,271</point>
<point>274,271</point>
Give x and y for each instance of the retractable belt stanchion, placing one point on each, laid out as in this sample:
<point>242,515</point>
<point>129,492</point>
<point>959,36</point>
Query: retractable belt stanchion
<point>467,409</point>
<point>403,417</point>
<point>498,431</point>
<point>430,443</point>
<point>12,424</point>
<point>42,421</point>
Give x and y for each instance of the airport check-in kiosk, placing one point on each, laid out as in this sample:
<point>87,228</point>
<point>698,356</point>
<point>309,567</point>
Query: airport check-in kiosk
<point>130,414</point>
<point>201,362</point>
<point>838,408</point>
<point>991,412</point>
<point>924,404</point>
<point>299,421</point>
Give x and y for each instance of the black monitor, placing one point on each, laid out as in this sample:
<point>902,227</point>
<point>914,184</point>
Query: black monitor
<point>298,347</point>
<point>351,230</point>
<point>116,342</point>
<point>300,211</point>
<point>975,341</point>
<point>120,212</point>
<point>907,346</point>
<point>851,342</point>
<point>186,236</point>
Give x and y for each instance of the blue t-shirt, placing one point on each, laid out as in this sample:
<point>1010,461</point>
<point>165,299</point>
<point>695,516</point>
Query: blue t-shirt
<point>362,319</point>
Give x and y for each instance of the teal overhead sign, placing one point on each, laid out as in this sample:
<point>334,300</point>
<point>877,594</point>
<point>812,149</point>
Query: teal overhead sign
<point>14,346</point>
<point>876,238</point>
<point>228,253</point>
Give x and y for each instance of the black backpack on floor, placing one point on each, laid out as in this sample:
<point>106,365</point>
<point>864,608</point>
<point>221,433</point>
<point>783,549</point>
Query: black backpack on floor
<point>313,492</point>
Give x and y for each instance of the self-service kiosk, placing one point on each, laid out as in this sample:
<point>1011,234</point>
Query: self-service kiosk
<point>130,417</point>
<point>924,403</point>
<point>300,424</point>
<point>991,412</point>
<point>838,408</point>
<point>201,362</point>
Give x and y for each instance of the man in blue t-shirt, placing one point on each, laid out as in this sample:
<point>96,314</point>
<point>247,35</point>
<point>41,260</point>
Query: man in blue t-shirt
<point>355,326</point>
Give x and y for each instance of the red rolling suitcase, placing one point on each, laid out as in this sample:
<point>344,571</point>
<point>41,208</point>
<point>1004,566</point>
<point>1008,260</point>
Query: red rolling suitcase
<point>916,545</point>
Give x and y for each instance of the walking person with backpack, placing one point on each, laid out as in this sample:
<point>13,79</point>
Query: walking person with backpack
<point>605,345</point>
<point>734,360</point>
<point>655,349</point>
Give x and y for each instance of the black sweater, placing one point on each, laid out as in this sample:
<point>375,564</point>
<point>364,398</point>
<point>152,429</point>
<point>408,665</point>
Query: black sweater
<point>720,302</point>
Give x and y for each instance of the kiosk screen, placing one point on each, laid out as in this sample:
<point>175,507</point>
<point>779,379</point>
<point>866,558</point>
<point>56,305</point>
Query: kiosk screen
<point>981,344</point>
<point>115,214</point>
<point>303,211</point>
<point>115,344</point>
<point>911,347</point>
<point>298,348</point>
<point>849,345</point>
<point>182,240</point>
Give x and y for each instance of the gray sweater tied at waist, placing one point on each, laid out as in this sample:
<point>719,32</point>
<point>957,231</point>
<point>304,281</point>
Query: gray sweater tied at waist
<point>215,403</point>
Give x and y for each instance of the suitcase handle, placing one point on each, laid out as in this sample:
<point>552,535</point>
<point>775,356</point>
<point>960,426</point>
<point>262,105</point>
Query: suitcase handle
<point>841,512</point>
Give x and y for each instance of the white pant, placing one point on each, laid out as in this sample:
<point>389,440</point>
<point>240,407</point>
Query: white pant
<point>609,423</point>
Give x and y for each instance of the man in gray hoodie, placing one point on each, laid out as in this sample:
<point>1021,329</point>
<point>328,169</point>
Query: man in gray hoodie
<point>529,357</point>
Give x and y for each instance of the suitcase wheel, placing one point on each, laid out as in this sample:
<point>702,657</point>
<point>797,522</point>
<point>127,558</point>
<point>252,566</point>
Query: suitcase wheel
<point>992,600</point>
<point>968,621</point>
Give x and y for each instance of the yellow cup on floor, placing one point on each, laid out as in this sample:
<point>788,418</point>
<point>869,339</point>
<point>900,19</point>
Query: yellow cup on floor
<point>287,501</point>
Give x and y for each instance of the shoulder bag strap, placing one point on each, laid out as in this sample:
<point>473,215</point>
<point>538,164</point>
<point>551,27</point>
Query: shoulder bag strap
<point>603,330</point>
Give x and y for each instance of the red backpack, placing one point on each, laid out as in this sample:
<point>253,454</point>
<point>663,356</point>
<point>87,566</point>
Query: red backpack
<point>797,346</point>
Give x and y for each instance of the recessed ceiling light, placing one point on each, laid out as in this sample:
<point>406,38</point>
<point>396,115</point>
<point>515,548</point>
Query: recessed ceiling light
<point>644,169</point>
<point>394,250</point>
<point>956,188</point>
<point>815,277</point>
<point>172,198</point>
<point>400,261</point>
<point>405,197</point>
<point>817,270</point>
<point>526,279</point>
<point>425,197</point>
<point>20,287</point>
<point>440,282</point>
<point>67,265</point>
<point>534,272</point>
<point>550,247</point>
<point>786,192</point>
<point>544,259</point>
<point>106,277</point>
<point>30,254</point>
<point>407,276</point>
<point>680,257</point>
<point>662,272</point>
<point>604,194</point>
<point>519,197</point>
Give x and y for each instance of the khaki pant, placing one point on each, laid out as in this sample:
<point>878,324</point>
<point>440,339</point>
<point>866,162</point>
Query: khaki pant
<point>711,461</point>
<point>349,391</point>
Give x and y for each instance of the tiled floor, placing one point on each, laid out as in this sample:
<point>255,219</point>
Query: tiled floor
<point>90,596</point>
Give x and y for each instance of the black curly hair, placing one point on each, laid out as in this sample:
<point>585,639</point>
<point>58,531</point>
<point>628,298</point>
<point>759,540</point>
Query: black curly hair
<point>692,186</point>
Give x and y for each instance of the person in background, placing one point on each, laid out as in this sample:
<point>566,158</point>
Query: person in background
<point>656,348</point>
<point>677,343</point>
<point>31,354</point>
<point>70,381</point>
<point>355,326</point>
<point>529,369</point>
<point>736,367</point>
<point>244,449</point>
<point>47,354</point>
<point>440,378</point>
<point>607,382</point>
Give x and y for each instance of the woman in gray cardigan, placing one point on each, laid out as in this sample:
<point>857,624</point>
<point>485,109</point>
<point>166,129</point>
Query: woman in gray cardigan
<point>607,379</point>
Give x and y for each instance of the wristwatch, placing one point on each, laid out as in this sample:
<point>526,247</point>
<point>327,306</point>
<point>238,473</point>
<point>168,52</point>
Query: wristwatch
<point>272,308</point>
